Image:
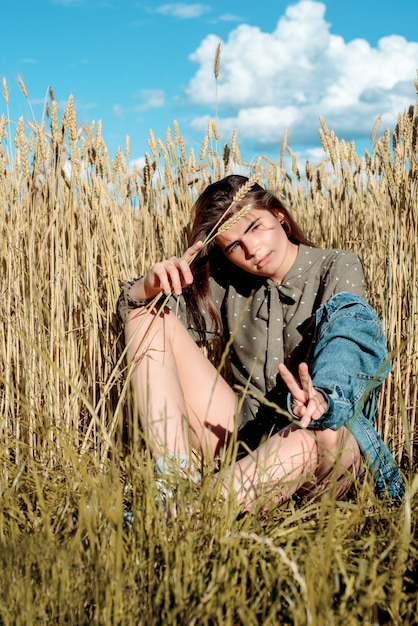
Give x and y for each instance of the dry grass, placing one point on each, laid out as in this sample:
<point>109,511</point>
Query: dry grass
<point>73,222</point>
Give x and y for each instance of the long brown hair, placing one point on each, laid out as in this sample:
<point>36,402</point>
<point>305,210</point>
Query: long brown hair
<point>212,208</point>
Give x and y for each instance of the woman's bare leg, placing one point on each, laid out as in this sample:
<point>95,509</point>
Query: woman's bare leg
<point>182,400</point>
<point>185,404</point>
<point>293,458</point>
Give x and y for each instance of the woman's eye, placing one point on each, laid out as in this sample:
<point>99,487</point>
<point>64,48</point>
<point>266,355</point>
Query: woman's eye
<point>234,246</point>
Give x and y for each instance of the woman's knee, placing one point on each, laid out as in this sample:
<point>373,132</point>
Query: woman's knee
<point>148,324</point>
<point>339,446</point>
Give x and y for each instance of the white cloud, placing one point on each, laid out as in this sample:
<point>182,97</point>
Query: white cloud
<point>137,164</point>
<point>182,10</point>
<point>117,110</point>
<point>229,17</point>
<point>151,99</point>
<point>287,79</point>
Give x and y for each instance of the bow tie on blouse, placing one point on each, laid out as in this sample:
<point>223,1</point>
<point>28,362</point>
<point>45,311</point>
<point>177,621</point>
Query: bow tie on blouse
<point>274,296</point>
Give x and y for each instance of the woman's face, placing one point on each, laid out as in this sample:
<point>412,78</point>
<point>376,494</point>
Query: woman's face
<point>258,244</point>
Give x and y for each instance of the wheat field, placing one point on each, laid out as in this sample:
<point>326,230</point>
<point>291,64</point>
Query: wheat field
<point>74,222</point>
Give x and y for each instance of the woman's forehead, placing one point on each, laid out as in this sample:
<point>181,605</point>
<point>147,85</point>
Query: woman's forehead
<point>237,228</point>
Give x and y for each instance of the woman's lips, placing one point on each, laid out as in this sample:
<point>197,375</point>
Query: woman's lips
<point>263,261</point>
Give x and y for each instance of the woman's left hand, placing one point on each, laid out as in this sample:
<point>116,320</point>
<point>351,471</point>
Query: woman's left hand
<point>308,403</point>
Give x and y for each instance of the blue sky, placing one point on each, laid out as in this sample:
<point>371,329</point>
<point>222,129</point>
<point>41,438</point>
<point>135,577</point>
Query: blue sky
<point>138,65</point>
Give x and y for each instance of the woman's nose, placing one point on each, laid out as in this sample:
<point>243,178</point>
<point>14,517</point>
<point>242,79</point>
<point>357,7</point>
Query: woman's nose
<point>250,249</point>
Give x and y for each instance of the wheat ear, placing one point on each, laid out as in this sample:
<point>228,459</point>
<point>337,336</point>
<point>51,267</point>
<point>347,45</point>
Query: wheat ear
<point>234,219</point>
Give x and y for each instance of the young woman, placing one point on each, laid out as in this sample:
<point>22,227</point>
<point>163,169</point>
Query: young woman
<point>307,354</point>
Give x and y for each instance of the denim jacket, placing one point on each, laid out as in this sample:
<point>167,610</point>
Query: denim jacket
<point>350,350</point>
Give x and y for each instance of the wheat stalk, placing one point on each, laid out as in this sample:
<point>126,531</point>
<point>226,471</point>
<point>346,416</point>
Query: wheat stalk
<point>67,240</point>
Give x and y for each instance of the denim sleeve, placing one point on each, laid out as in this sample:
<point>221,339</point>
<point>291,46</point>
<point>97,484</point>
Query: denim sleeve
<point>350,358</point>
<point>350,361</point>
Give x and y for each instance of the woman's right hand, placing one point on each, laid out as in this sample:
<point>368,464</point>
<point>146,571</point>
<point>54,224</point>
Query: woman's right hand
<point>170,275</point>
<point>308,403</point>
